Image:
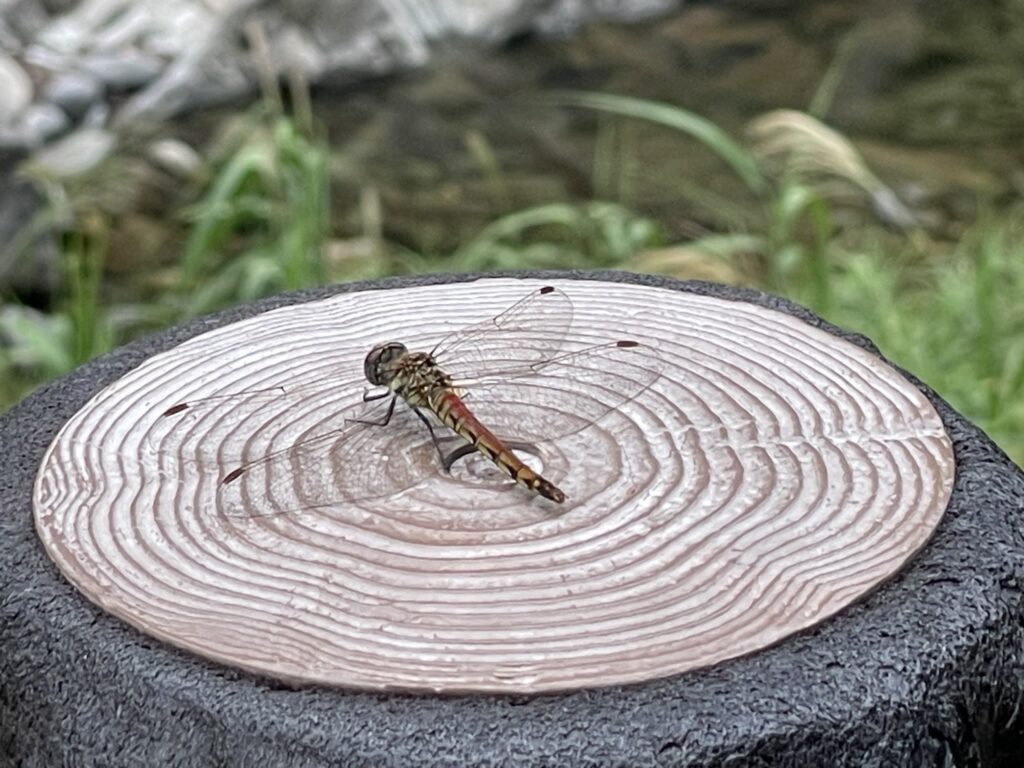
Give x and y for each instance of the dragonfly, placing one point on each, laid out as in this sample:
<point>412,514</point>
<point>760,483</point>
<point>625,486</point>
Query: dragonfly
<point>524,377</point>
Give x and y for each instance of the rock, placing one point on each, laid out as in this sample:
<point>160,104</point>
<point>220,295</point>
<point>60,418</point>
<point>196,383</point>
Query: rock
<point>123,70</point>
<point>887,44</point>
<point>56,7</point>
<point>9,41</point>
<point>566,16</point>
<point>325,42</point>
<point>15,90</point>
<point>25,18</point>
<point>333,44</point>
<point>186,54</point>
<point>74,92</point>
<point>71,33</point>
<point>12,147</point>
<point>176,157</point>
<point>42,122</point>
<point>75,154</point>
<point>97,116</point>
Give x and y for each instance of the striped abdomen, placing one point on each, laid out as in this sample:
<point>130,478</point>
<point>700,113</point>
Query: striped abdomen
<point>454,414</point>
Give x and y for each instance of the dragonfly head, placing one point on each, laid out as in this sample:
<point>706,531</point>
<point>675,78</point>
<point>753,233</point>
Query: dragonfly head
<point>378,367</point>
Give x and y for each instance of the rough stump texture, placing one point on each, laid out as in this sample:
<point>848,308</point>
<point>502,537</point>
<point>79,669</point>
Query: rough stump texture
<point>732,475</point>
<point>925,670</point>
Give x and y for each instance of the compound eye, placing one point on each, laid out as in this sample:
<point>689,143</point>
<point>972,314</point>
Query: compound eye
<point>379,357</point>
<point>372,364</point>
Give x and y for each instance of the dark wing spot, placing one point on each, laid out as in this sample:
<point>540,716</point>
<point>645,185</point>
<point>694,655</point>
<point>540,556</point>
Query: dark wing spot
<point>175,409</point>
<point>547,289</point>
<point>233,475</point>
<point>627,343</point>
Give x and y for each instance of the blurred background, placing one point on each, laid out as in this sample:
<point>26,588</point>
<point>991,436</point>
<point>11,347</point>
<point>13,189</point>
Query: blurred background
<point>159,161</point>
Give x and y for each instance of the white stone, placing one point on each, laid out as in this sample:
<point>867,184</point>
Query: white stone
<point>15,89</point>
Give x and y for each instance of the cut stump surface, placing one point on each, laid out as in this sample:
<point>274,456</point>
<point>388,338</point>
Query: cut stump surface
<point>776,515</point>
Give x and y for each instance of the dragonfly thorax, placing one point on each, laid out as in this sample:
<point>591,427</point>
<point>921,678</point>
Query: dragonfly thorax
<point>413,375</point>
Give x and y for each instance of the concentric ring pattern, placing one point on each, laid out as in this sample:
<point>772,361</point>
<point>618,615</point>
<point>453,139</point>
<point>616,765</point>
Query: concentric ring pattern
<point>772,474</point>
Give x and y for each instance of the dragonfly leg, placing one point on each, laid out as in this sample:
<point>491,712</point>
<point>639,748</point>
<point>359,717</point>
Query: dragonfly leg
<point>433,434</point>
<point>449,460</point>
<point>368,398</point>
<point>387,416</point>
<point>465,450</point>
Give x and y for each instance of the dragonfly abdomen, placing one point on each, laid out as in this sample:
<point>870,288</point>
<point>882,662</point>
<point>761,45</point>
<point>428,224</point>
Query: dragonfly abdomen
<point>455,415</point>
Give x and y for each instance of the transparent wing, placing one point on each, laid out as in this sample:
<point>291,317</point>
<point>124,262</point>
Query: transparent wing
<point>234,409</point>
<point>513,343</point>
<point>530,332</point>
<point>565,394</point>
<point>522,373</point>
<point>353,462</point>
<point>342,459</point>
<point>529,378</point>
<point>314,453</point>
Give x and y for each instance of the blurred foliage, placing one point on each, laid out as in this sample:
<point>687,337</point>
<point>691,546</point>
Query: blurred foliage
<point>949,314</point>
<point>262,226</point>
<point>957,322</point>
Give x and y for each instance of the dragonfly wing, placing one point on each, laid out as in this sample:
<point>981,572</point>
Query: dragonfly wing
<point>520,372</point>
<point>353,462</point>
<point>331,450</point>
<point>563,395</point>
<point>231,415</point>
<point>528,333</point>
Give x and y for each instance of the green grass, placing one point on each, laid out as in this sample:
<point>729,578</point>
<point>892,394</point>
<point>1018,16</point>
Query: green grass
<point>262,226</point>
<point>950,314</point>
<point>734,155</point>
<point>41,346</point>
<point>956,322</point>
<point>556,236</point>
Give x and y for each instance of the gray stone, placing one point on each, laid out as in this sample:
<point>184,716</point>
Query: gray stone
<point>565,17</point>
<point>72,32</point>
<point>123,70</point>
<point>74,92</point>
<point>336,43</point>
<point>15,90</point>
<point>13,147</point>
<point>187,54</point>
<point>176,157</point>
<point>24,18</point>
<point>42,121</point>
<point>339,40</point>
<point>56,7</point>
<point>98,115</point>
<point>75,154</point>
<point>9,40</point>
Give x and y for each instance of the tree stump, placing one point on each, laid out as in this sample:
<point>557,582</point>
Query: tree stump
<point>777,549</point>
